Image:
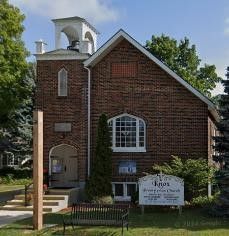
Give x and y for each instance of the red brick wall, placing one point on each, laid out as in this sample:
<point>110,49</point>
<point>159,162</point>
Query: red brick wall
<point>72,108</point>
<point>176,120</point>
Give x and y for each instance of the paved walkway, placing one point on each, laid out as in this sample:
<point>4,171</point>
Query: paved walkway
<point>7,217</point>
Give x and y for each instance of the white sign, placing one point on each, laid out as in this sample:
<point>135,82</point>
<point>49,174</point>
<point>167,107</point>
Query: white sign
<point>161,190</point>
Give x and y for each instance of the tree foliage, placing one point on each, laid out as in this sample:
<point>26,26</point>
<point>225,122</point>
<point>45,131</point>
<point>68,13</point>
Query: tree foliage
<point>13,65</point>
<point>17,134</point>
<point>195,173</point>
<point>99,182</point>
<point>222,149</point>
<point>182,58</point>
<point>17,83</point>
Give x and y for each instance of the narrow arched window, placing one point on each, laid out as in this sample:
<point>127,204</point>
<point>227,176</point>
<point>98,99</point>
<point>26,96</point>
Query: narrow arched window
<point>127,133</point>
<point>62,83</point>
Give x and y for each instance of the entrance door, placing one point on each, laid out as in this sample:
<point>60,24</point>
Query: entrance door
<point>64,166</point>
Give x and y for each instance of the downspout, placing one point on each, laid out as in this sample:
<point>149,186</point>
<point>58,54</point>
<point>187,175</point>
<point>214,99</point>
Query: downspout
<point>88,121</point>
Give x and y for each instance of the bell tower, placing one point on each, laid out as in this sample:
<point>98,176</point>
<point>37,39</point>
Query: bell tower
<point>81,35</point>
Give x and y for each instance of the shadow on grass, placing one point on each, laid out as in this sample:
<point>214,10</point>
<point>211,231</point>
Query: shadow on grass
<point>89,231</point>
<point>191,219</point>
<point>25,224</point>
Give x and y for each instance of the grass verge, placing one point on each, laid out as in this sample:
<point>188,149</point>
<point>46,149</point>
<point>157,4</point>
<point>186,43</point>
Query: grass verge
<point>6,187</point>
<point>155,222</point>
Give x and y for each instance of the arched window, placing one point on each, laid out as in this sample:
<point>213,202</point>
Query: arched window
<point>62,83</point>
<point>127,133</point>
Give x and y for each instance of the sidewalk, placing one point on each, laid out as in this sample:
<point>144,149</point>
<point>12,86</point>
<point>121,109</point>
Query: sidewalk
<point>7,217</point>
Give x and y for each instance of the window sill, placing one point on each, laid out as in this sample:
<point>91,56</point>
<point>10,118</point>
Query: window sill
<point>129,149</point>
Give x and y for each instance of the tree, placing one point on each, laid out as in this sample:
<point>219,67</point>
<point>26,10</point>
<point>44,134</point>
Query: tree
<point>16,84</point>
<point>21,131</point>
<point>13,65</point>
<point>216,100</point>
<point>99,182</point>
<point>17,135</point>
<point>195,173</point>
<point>182,58</point>
<point>222,149</point>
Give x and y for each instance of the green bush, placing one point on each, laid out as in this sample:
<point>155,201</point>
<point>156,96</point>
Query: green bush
<point>196,174</point>
<point>103,200</point>
<point>11,176</point>
<point>9,180</point>
<point>16,173</point>
<point>203,201</point>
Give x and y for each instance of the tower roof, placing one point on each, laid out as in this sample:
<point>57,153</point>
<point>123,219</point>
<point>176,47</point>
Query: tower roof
<point>76,18</point>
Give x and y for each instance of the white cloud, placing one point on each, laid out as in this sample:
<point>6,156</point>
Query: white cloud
<point>226,30</point>
<point>96,11</point>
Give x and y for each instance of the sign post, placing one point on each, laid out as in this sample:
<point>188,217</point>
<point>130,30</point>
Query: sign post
<point>38,170</point>
<point>160,189</point>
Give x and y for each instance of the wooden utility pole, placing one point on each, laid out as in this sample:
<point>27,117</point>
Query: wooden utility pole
<point>37,170</point>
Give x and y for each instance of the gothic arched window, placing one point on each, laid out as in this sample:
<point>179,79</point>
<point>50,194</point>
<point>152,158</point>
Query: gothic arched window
<point>127,133</point>
<point>62,83</point>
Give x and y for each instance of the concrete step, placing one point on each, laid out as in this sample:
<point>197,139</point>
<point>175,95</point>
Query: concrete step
<point>53,191</point>
<point>17,202</point>
<point>45,197</point>
<point>23,208</point>
<point>52,202</point>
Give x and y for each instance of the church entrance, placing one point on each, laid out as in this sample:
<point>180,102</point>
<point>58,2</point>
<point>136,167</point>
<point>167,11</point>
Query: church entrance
<point>63,166</point>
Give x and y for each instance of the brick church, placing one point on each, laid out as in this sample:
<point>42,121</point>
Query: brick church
<point>153,113</point>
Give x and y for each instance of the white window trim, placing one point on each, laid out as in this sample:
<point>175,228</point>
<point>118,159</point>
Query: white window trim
<point>128,149</point>
<point>124,197</point>
<point>12,162</point>
<point>59,82</point>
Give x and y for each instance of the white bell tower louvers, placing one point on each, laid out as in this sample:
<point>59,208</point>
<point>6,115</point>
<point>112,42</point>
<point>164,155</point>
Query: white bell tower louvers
<point>82,36</point>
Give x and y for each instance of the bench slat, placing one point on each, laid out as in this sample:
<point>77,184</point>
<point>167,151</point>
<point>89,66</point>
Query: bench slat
<point>98,214</point>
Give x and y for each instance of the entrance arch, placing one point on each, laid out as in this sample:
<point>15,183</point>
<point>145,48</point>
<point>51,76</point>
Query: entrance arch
<point>63,166</point>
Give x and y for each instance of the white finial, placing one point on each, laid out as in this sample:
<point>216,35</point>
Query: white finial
<point>40,46</point>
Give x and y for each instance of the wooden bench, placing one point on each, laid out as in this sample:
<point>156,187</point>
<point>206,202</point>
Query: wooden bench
<point>97,214</point>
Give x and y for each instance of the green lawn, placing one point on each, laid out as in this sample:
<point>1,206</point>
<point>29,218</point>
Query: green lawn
<point>152,223</point>
<point>4,187</point>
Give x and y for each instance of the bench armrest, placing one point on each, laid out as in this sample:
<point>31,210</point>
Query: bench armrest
<point>65,215</point>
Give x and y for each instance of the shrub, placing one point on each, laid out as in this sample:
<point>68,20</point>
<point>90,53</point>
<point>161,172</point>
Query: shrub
<point>7,179</point>
<point>203,201</point>
<point>9,175</point>
<point>103,200</point>
<point>10,181</point>
<point>196,174</point>
<point>16,173</point>
<point>99,182</point>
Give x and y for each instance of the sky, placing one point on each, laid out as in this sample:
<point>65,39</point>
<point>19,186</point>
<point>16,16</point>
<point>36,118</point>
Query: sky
<point>204,22</point>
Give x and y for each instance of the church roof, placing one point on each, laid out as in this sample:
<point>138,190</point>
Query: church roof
<point>65,51</point>
<point>118,37</point>
<point>62,54</point>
